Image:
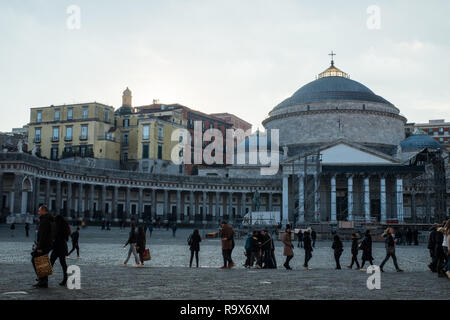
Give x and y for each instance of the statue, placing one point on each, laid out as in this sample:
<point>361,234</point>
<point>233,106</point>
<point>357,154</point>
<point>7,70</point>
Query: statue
<point>34,151</point>
<point>256,200</point>
<point>19,146</point>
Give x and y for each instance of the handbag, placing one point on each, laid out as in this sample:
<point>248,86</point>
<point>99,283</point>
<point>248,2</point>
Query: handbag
<point>43,266</point>
<point>146,256</point>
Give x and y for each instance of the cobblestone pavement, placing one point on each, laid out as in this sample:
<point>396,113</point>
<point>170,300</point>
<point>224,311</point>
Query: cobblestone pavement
<point>167,275</point>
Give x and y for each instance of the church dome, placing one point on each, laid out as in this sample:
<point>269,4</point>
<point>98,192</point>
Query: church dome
<point>419,142</point>
<point>332,88</point>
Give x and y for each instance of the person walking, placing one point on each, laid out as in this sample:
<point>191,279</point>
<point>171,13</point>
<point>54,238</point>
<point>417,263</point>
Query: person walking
<point>409,236</point>
<point>75,237</point>
<point>366,247</point>
<point>174,229</point>
<point>300,238</point>
<point>194,246</point>
<point>140,245</point>
<point>43,243</point>
<point>338,248</point>
<point>447,247</point>
<point>390,249</point>
<point>415,234</point>
<point>150,229</point>
<point>439,252</point>
<point>431,247</point>
<point>255,248</point>
<point>308,248</point>
<point>288,247</point>
<point>313,237</point>
<point>27,229</point>
<point>12,228</point>
<point>355,246</point>
<point>266,250</point>
<point>227,245</point>
<point>60,250</point>
<point>132,239</point>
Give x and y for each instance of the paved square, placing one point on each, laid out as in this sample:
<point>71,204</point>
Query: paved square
<point>167,275</point>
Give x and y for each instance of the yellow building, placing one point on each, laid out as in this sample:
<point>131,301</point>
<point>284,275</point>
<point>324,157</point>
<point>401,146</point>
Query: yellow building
<point>77,130</point>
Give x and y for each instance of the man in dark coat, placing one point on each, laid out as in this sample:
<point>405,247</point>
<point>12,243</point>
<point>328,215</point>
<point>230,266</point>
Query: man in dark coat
<point>266,248</point>
<point>27,229</point>
<point>432,246</point>
<point>338,248</point>
<point>60,245</point>
<point>366,247</point>
<point>308,248</point>
<point>75,236</point>
<point>355,246</point>
<point>390,249</point>
<point>44,241</point>
<point>313,238</point>
<point>416,236</point>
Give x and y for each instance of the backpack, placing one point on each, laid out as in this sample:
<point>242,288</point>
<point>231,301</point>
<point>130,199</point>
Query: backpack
<point>189,240</point>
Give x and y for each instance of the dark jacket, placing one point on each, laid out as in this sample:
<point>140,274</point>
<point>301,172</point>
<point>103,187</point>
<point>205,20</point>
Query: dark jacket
<point>266,242</point>
<point>366,247</point>
<point>195,240</point>
<point>132,238</point>
<point>432,239</point>
<point>75,237</point>
<point>313,235</point>
<point>140,242</point>
<point>44,236</point>
<point>62,234</point>
<point>388,240</point>
<point>254,245</point>
<point>438,240</point>
<point>355,245</point>
<point>337,245</point>
<point>307,242</point>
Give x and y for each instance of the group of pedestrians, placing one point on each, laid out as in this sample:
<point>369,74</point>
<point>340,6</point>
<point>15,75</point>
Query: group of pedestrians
<point>137,245</point>
<point>260,251</point>
<point>288,251</point>
<point>52,237</point>
<point>407,236</point>
<point>439,247</point>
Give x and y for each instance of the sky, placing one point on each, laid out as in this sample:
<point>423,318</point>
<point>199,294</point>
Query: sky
<point>241,57</point>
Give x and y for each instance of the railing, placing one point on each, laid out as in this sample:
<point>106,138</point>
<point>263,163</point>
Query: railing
<point>55,139</point>
<point>83,137</point>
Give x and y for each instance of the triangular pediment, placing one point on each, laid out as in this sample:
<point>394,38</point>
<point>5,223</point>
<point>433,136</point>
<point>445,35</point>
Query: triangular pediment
<point>343,153</point>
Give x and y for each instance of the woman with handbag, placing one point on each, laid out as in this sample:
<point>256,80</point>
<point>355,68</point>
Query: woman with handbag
<point>194,246</point>
<point>140,245</point>
<point>132,240</point>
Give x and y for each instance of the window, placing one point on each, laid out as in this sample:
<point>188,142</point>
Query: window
<point>160,151</point>
<point>125,139</point>
<point>441,139</point>
<point>430,131</point>
<point>83,149</point>
<point>145,151</point>
<point>84,132</point>
<point>37,135</point>
<point>55,136</point>
<point>125,156</point>
<point>106,115</point>
<point>57,113</point>
<point>39,116</point>
<point>70,114</point>
<point>126,123</point>
<point>441,130</point>
<point>85,112</point>
<point>160,132</point>
<point>146,132</point>
<point>68,133</point>
<point>54,153</point>
<point>211,126</point>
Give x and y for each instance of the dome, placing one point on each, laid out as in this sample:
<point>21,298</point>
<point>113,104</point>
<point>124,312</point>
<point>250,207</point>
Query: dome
<point>332,88</point>
<point>124,110</point>
<point>419,142</point>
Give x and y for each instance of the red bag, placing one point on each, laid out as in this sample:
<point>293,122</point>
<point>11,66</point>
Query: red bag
<point>146,256</point>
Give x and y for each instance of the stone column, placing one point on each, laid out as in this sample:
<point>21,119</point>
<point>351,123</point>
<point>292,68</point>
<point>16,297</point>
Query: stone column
<point>18,205</point>
<point>399,194</point>
<point>58,197</point>
<point>47,193</point>
<point>367,198</point>
<point>333,199</point>
<point>217,213</point>
<point>166,205</point>
<point>179,206</point>
<point>140,209</point>
<point>301,199</point>
<point>350,198</point>
<point>383,199</point>
<point>204,204</point>
<point>191,207</point>
<point>37,191</point>
<point>91,202</point>
<point>316,197</point>
<point>114,203</point>
<point>413,206</point>
<point>127,204</point>
<point>80,200</point>
<point>230,206</point>
<point>270,201</point>
<point>69,200</point>
<point>243,203</point>
<point>154,205</point>
<point>285,200</point>
<point>104,213</point>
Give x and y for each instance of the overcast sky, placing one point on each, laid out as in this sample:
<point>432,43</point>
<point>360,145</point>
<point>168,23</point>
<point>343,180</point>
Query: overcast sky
<point>242,57</point>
